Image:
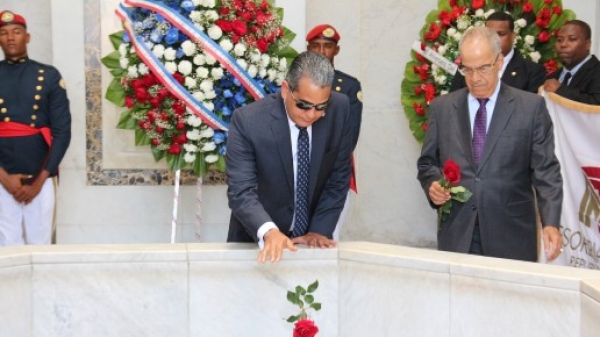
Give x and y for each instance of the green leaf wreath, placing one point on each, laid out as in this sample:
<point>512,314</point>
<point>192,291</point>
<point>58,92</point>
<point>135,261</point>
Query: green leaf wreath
<point>536,25</point>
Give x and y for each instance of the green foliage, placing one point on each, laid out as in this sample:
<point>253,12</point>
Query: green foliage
<point>301,297</point>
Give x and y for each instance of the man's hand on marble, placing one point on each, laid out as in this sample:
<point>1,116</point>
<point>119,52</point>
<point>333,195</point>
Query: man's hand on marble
<point>315,240</point>
<point>275,243</point>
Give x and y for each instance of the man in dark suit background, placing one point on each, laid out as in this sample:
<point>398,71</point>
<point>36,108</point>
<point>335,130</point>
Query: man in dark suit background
<point>517,71</point>
<point>579,79</point>
<point>263,158</point>
<point>502,140</point>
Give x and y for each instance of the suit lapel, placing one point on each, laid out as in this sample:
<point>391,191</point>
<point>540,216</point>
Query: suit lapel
<point>503,109</point>
<point>512,70</point>
<point>281,132</point>
<point>462,123</point>
<point>583,72</point>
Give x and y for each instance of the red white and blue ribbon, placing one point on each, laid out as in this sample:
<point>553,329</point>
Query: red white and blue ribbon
<point>167,79</point>
<point>209,45</point>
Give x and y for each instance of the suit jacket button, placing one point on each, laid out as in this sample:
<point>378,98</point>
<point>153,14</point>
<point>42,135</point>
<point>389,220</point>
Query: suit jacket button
<point>477,179</point>
<point>473,208</point>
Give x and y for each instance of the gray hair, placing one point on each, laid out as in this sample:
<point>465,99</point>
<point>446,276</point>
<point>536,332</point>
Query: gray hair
<point>482,33</point>
<point>314,66</point>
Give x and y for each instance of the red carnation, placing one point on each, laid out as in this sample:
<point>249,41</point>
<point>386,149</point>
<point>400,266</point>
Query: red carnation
<point>239,28</point>
<point>557,10</point>
<point>129,102</point>
<point>264,6</point>
<point>548,1</point>
<point>425,126</point>
<point>178,77</point>
<point>544,36</point>
<point>419,109</point>
<point>527,7</point>
<point>418,90</point>
<point>305,328</point>
<point>225,25</point>
<point>477,4</point>
<point>174,149</point>
<point>434,32</point>
<point>262,45</point>
<point>224,11</point>
<point>551,66</point>
<point>155,141</point>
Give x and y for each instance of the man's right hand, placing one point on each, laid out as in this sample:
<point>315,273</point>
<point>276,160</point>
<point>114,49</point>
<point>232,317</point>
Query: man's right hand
<point>12,182</point>
<point>275,243</point>
<point>437,194</point>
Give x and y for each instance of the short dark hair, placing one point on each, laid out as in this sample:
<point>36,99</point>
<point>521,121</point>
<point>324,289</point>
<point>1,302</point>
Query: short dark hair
<point>502,16</point>
<point>587,31</point>
<point>314,66</point>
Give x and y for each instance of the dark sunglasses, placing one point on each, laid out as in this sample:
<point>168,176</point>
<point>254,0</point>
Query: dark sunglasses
<point>309,106</point>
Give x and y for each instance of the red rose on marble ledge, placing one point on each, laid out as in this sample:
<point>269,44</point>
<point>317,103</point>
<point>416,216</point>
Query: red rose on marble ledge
<point>305,328</point>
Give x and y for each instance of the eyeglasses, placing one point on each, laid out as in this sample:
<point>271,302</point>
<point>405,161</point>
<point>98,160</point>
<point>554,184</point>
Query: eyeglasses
<point>484,69</point>
<point>300,104</point>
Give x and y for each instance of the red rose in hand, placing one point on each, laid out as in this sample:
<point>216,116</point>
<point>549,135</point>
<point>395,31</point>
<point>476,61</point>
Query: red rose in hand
<point>451,172</point>
<point>305,328</point>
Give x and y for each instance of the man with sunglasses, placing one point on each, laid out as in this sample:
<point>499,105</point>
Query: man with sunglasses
<point>323,39</point>
<point>516,71</point>
<point>502,140</point>
<point>288,162</point>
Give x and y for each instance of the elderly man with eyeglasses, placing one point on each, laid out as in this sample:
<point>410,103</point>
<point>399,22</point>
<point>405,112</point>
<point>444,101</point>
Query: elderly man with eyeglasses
<point>288,162</point>
<point>502,140</point>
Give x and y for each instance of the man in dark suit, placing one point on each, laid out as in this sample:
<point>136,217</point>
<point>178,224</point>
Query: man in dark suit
<point>35,132</point>
<point>579,79</point>
<point>517,71</point>
<point>269,170</point>
<point>502,140</point>
<point>323,39</point>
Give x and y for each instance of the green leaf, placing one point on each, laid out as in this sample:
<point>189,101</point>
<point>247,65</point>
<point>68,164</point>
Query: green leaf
<point>463,197</point>
<point>293,319</point>
<point>293,298</point>
<point>300,291</point>
<point>313,286</point>
<point>141,138</point>
<point>175,162</point>
<point>115,93</point>
<point>126,122</point>
<point>309,299</point>
<point>116,39</point>
<point>316,306</point>
<point>158,154</point>
<point>199,167</point>
<point>221,164</point>
<point>457,189</point>
<point>112,60</point>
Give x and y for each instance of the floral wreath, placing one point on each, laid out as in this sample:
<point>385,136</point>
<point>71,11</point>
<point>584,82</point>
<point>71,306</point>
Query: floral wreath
<point>181,67</point>
<point>535,33</point>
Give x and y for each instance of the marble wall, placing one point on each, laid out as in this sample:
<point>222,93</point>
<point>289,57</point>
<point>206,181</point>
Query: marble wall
<point>376,39</point>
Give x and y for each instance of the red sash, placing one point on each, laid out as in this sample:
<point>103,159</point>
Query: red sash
<point>12,129</point>
<point>353,175</point>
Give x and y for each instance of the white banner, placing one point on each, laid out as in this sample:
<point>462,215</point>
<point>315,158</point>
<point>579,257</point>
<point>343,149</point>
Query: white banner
<point>577,139</point>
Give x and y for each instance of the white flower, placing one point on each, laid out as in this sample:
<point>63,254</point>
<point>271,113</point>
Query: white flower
<point>252,70</point>
<point>242,63</point>
<point>132,71</point>
<point>124,62</point>
<point>442,49</point>
<point>209,59</point>
<point>199,96</point>
<point>211,158</point>
<point>199,59</point>
<point>226,44</point>
<point>521,23</point>
<point>207,133</point>
<point>255,56</point>
<point>240,49</point>
<point>206,85</point>
<point>282,64</point>
<point>216,73</point>
<point>208,147</point>
<point>185,67</point>
<point>202,72</point>
<point>457,36</point>
<point>440,79</point>
<point>171,67</point>
<point>262,72</point>
<point>143,69</point>
<point>198,2</point>
<point>479,12</point>
<point>450,32</point>
<point>209,3</point>
<point>170,54</point>
<point>265,60</point>
<point>210,95</point>
<point>210,106</point>
<point>189,157</point>
<point>280,78</point>
<point>434,67</point>
<point>193,120</point>
<point>196,16</point>
<point>488,13</point>
<point>272,74</point>
<point>193,134</point>
<point>215,32</point>
<point>479,24</point>
<point>190,82</point>
<point>535,56</point>
<point>211,15</point>
<point>463,24</point>
<point>158,51</point>
<point>123,49</point>
<point>529,39</point>
<point>190,147</point>
<point>443,92</point>
<point>189,48</point>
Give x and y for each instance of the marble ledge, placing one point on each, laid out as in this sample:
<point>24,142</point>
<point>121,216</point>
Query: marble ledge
<point>591,288</point>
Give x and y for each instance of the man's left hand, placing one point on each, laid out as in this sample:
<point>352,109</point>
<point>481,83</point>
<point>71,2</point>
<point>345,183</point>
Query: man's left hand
<point>553,244</point>
<point>551,85</point>
<point>314,240</point>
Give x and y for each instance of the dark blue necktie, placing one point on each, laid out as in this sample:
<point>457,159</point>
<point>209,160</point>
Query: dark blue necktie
<point>303,161</point>
<point>566,79</point>
<point>479,131</point>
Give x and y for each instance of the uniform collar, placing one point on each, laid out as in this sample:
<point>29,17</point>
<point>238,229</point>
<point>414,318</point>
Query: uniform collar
<point>18,61</point>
